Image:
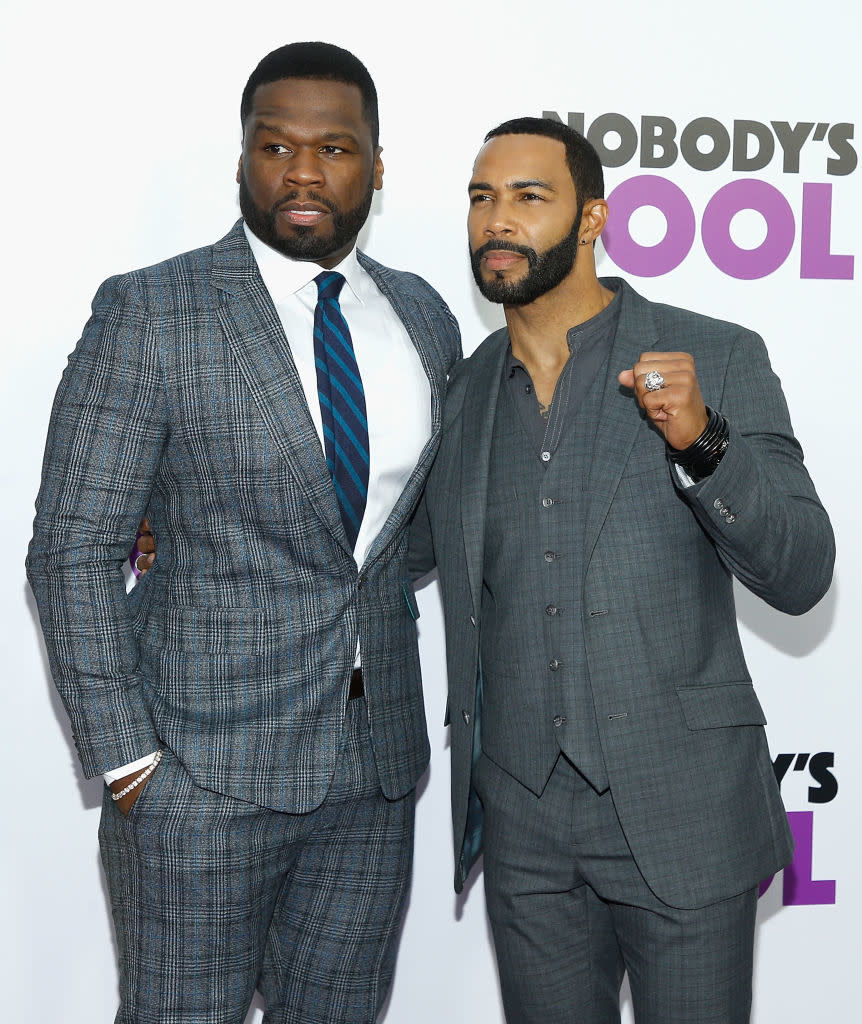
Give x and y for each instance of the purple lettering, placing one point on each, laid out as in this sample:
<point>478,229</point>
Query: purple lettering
<point>800,889</point>
<point>816,259</point>
<point>664,256</point>
<point>749,194</point>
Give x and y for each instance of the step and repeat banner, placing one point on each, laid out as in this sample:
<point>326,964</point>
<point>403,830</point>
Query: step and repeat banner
<point>731,144</point>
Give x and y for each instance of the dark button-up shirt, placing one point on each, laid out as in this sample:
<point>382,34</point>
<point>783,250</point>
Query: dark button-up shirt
<point>589,344</point>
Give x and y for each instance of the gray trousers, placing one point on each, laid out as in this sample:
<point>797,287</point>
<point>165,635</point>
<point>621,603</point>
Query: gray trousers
<point>570,913</point>
<point>213,896</point>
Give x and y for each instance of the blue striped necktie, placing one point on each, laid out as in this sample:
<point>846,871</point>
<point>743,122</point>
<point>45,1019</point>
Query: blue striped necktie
<point>342,404</point>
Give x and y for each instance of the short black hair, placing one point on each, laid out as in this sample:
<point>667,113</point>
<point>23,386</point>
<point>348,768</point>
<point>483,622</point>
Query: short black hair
<point>324,61</point>
<point>583,161</point>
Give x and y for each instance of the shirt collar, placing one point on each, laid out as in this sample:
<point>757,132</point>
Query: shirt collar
<point>284,276</point>
<point>582,335</point>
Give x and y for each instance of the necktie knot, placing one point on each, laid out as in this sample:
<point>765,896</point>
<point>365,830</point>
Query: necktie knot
<point>329,284</point>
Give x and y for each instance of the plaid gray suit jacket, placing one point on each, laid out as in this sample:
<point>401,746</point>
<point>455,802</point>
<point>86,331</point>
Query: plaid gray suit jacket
<point>680,725</point>
<point>182,400</point>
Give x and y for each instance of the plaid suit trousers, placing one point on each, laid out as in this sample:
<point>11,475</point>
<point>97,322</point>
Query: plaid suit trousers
<point>213,896</point>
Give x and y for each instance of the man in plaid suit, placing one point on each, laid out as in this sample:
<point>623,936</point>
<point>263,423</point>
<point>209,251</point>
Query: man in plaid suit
<point>255,702</point>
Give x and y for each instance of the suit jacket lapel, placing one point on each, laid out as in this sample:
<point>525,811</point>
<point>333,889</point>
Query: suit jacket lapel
<point>620,418</point>
<point>421,332</point>
<point>477,428</point>
<point>256,338</point>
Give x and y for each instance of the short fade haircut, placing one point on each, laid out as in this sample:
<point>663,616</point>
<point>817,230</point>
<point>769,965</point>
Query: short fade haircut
<point>583,161</point>
<point>323,61</point>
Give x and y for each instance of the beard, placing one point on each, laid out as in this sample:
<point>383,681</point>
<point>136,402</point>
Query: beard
<point>544,270</point>
<point>303,243</point>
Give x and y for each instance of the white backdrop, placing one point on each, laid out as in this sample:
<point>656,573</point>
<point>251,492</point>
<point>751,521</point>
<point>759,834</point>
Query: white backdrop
<point>122,134</point>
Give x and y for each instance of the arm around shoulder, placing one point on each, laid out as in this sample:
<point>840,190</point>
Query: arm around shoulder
<point>420,557</point>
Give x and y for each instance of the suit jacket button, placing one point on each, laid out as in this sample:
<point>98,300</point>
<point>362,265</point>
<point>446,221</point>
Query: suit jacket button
<point>559,720</point>
<point>466,716</point>
<point>717,504</point>
<point>553,664</point>
<point>730,519</point>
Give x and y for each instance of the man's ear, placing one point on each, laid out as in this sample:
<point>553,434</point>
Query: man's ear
<point>239,171</point>
<point>594,219</point>
<point>377,178</point>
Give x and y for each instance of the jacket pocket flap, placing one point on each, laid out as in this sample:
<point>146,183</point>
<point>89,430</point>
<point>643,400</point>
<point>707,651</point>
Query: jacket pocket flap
<point>713,707</point>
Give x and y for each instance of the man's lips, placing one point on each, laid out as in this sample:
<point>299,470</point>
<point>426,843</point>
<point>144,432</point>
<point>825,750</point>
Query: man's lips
<point>501,259</point>
<point>305,214</point>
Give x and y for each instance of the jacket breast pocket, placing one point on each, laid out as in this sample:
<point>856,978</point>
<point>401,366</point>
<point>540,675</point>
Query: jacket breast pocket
<point>719,706</point>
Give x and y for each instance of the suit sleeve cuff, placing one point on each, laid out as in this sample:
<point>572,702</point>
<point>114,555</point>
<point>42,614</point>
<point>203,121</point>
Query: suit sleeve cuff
<point>128,769</point>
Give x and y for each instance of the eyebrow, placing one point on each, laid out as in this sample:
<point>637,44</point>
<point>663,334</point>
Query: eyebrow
<point>277,129</point>
<point>514,186</point>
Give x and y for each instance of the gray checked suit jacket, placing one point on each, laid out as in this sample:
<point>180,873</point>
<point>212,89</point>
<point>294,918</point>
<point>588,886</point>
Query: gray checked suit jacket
<point>182,400</point>
<point>680,725</point>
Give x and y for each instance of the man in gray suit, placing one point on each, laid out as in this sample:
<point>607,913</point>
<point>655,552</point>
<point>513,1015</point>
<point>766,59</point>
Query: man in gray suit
<point>255,702</point>
<point>608,465</point>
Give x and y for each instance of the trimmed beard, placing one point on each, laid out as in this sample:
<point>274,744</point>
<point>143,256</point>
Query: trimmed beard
<point>545,270</point>
<point>304,244</point>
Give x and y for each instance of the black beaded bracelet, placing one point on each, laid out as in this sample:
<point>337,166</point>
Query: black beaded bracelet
<point>703,455</point>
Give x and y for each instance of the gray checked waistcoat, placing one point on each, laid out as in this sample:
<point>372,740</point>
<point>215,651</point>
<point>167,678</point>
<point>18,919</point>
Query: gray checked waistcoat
<point>536,698</point>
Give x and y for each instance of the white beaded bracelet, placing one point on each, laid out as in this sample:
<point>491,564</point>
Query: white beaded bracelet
<point>145,774</point>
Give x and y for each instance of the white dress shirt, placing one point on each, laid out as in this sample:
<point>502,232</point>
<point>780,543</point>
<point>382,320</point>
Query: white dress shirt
<point>397,391</point>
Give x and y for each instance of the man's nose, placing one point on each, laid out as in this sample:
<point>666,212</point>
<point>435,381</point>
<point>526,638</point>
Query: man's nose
<point>304,169</point>
<point>498,223</point>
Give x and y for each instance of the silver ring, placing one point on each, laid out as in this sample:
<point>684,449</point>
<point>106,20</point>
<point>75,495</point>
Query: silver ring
<point>653,381</point>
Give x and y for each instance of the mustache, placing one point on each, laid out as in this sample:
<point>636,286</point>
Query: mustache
<point>531,255</point>
<point>311,197</point>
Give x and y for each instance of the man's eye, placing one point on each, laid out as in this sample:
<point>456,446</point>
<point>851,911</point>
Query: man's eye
<point>479,197</point>
<point>532,197</point>
<point>277,148</point>
<point>331,150</point>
